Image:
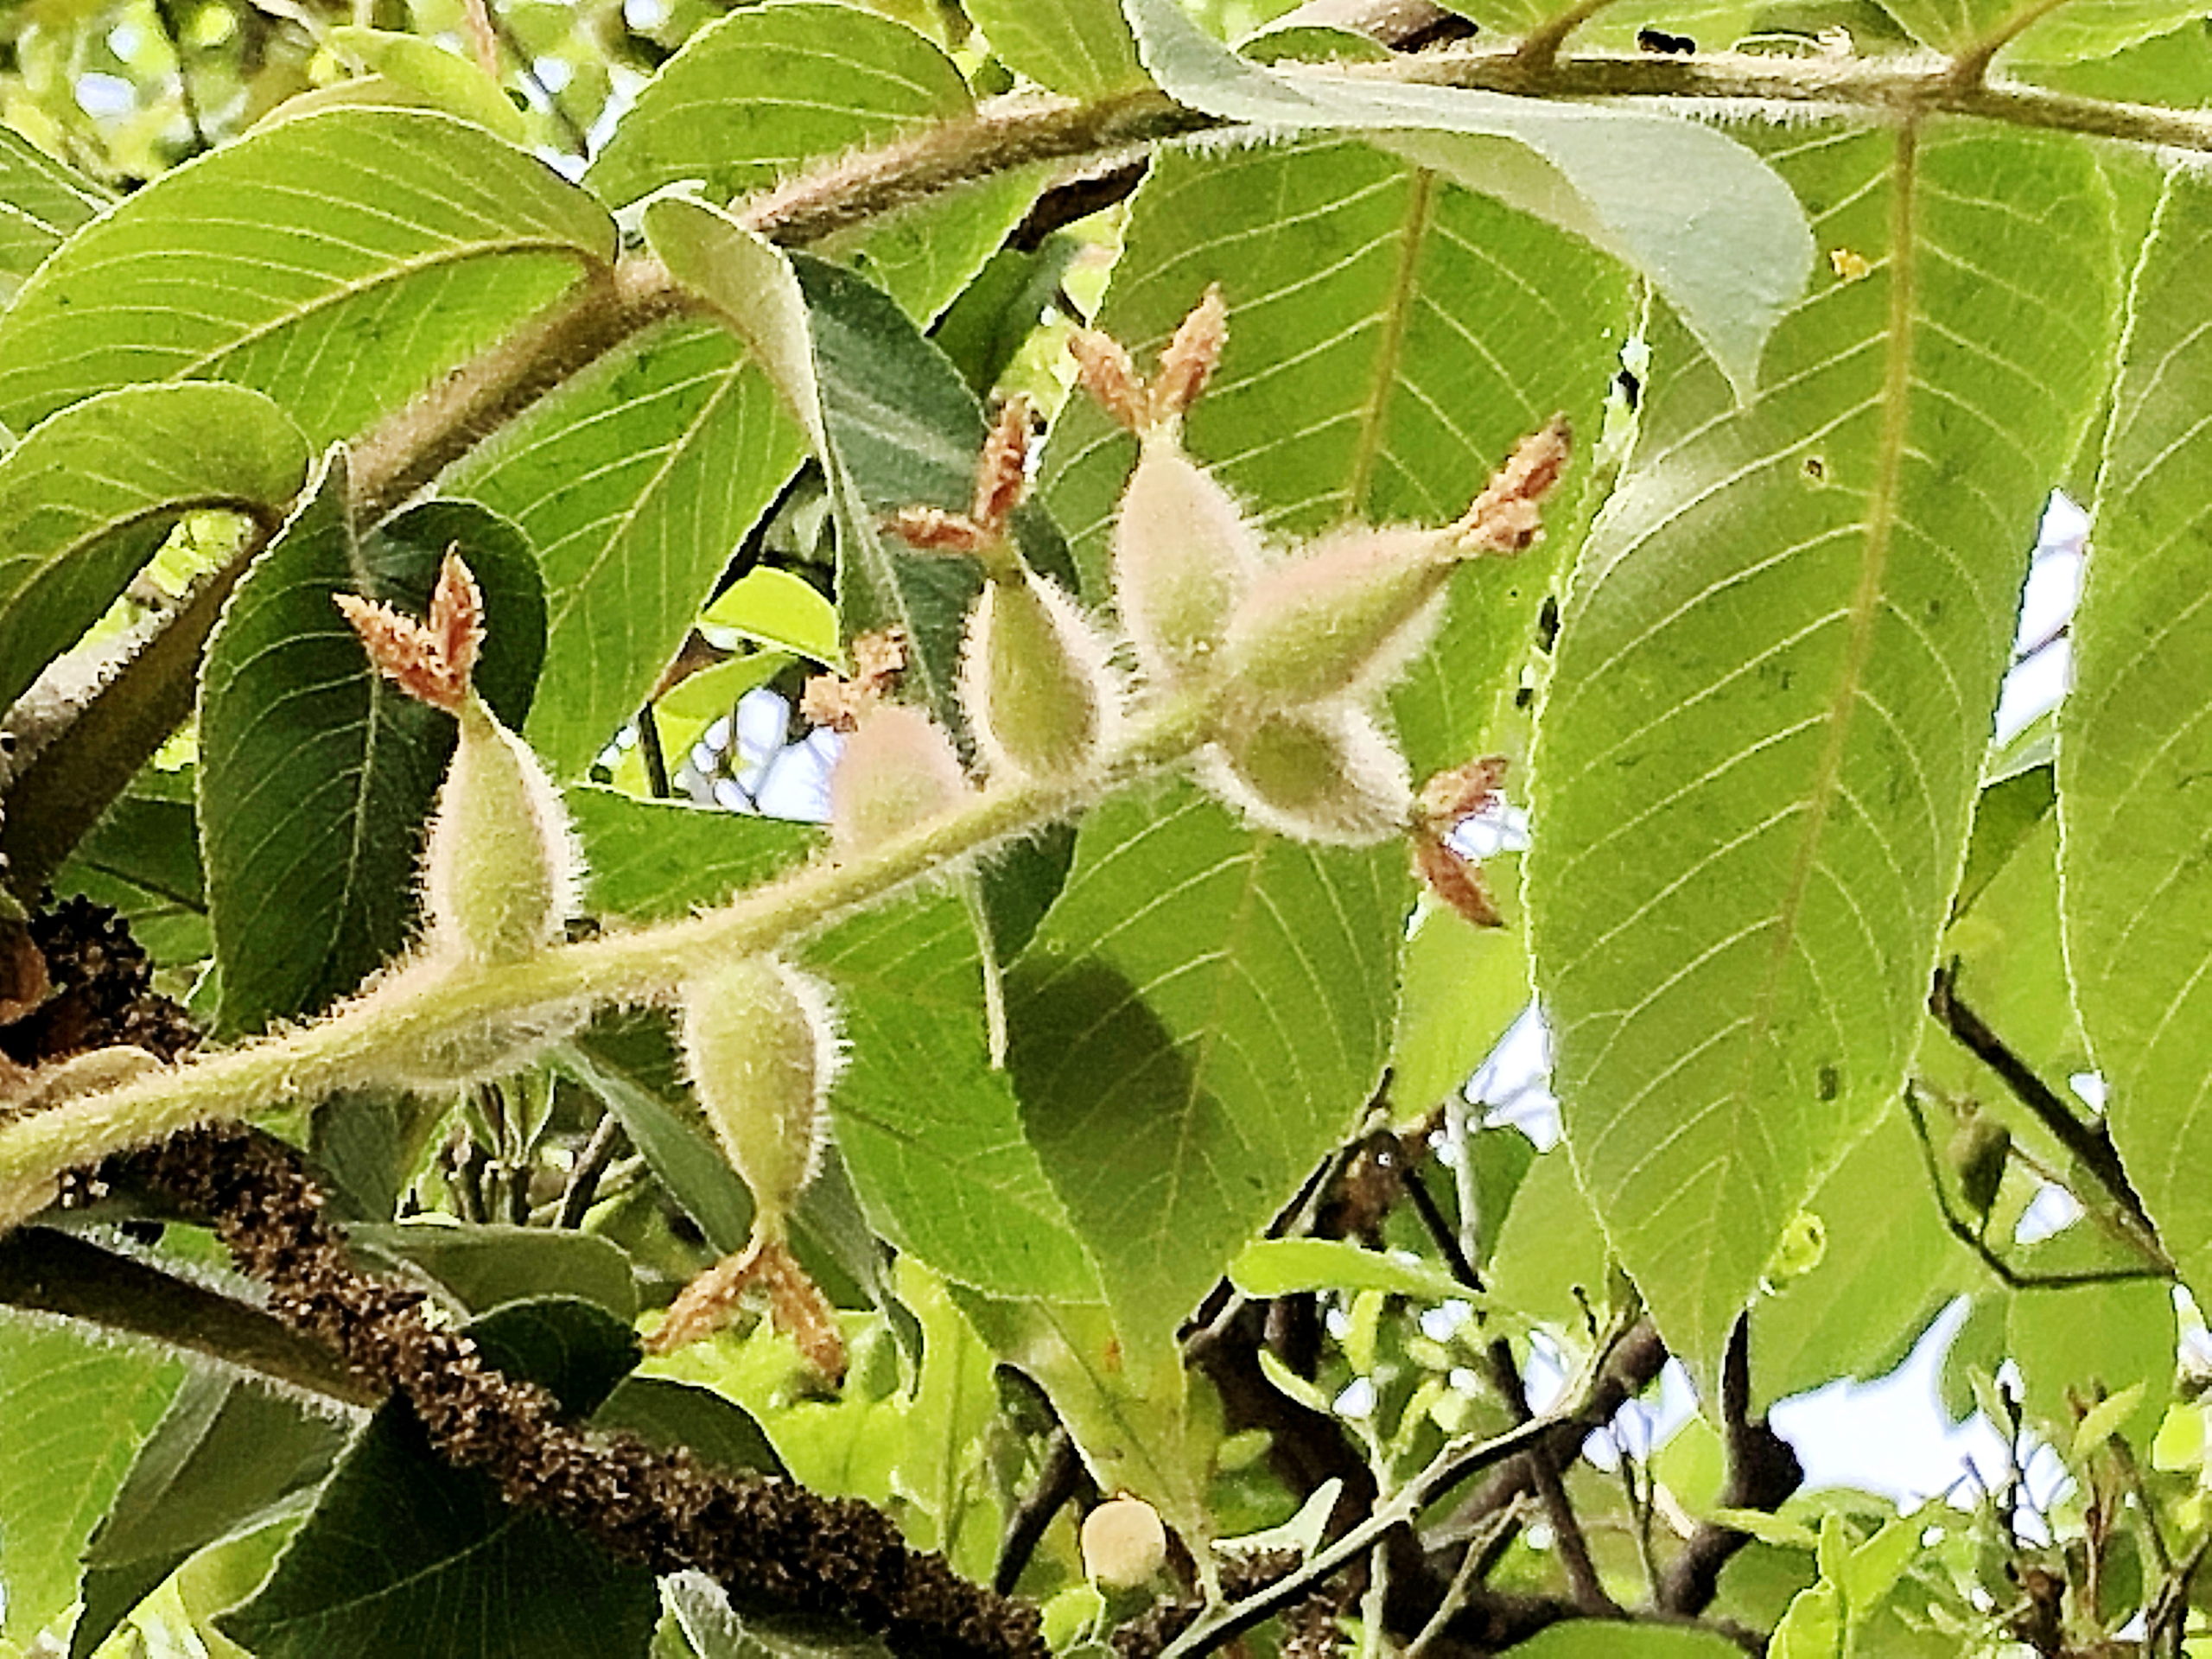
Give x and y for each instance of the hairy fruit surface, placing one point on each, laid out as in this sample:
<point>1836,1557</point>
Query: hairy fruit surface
<point>1035,679</point>
<point>1328,774</point>
<point>1183,558</point>
<point>898,769</point>
<point>761,1043</point>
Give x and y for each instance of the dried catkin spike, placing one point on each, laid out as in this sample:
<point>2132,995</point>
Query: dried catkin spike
<point>1036,679</point>
<point>501,868</point>
<point>1327,773</point>
<point>898,769</point>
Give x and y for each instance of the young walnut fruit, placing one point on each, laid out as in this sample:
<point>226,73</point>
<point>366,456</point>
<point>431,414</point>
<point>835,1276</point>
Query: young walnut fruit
<point>761,1044</point>
<point>1183,558</point>
<point>897,770</point>
<point>1347,617</point>
<point>1035,680</point>
<point>501,864</point>
<point>1124,1544</point>
<point>1326,773</point>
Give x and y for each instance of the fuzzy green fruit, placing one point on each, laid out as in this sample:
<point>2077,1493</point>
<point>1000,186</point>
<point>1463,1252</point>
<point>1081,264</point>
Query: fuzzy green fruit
<point>1035,680</point>
<point>761,1043</point>
<point>898,769</point>
<point>1328,774</point>
<point>1347,617</point>
<point>1183,557</point>
<point>501,870</point>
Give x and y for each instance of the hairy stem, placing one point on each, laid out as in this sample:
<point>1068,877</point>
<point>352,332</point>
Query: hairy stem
<point>378,1037</point>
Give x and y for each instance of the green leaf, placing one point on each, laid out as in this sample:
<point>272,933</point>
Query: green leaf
<point>2076,30</point>
<point>445,79</point>
<point>1585,1639</point>
<point>1282,1266</point>
<point>944,1462</point>
<point>76,1410</point>
<point>339,262</point>
<point>1081,48</point>
<point>2135,762</point>
<point>630,1063</point>
<point>635,482</point>
<point>1713,24</point>
<point>930,1133</point>
<point>2103,1421</point>
<point>88,495</point>
<point>2080,1342</point>
<point>776,608</point>
<point>651,860</point>
<point>486,1265</point>
<point>1463,988</point>
<point>1760,746</point>
<point>406,1554</point>
<point>756,96</point>
<point>1124,1403</point>
<point>143,858</point>
<point>1550,1246</point>
<point>315,773</point>
<point>1384,389</point>
<point>715,1630</point>
<point>1719,235</point>
<point>1182,1057</point>
<point>1889,1269</point>
<point>667,1413</point>
<point>42,204</point>
<point>223,1455</point>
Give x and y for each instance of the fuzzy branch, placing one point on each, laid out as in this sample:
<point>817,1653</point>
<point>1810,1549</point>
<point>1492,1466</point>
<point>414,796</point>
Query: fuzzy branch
<point>415,1011</point>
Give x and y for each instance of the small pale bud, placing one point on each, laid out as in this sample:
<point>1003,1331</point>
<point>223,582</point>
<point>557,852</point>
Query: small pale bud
<point>500,868</point>
<point>1124,1544</point>
<point>898,769</point>
<point>1328,774</point>
<point>761,1044</point>
<point>1348,616</point>
<point>1183,558</point>
<point>1036,679</point>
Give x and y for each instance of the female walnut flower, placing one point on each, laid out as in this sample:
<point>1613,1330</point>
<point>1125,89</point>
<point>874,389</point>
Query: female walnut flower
<point>1183,554</point>
<point>761,1043</point>
<point>1036,678</point>
<point>1349,615</point>
<point>501,867</point>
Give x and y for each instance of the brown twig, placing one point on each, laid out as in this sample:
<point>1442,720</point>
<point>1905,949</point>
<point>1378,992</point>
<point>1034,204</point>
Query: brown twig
<point>1762,1472</point>
<point>1062,1478</point>
<point>2089,1144</point>
<point>1973,1238</point>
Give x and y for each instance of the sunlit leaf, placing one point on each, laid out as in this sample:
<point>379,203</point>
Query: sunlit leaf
<point>340,263</point>
<point>1763,737</point>
<point>316,773</point>
<point>1717,234</point>
<point>2135,761</point>
<point>88,495</point>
